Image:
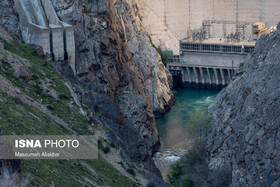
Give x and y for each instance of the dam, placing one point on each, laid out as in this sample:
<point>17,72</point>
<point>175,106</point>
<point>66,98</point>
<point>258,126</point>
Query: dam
<point>168,22</point>
<point>40,25</point>
<point>208,39</point>
<point>210,63</point>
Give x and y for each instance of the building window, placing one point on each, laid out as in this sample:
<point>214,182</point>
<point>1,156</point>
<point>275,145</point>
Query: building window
<point>195,47</point>
<point>215,48</point>
<point>226,48</point>
<point>206,47</point>
<point>186,46</point>
<point>236,49</point>
<point>190,46</point>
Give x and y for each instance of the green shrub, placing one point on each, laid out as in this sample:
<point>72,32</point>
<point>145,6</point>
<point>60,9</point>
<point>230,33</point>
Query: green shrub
<point>106,149</point>
<point>99,142</point>
<point>150,184</point>
<point>185,183</point>
<point>131,171</point>
<point>92,22</point>
<point>188,183</point>
<point>176,171</point>
<point>192,169</point>
<point>113,145</point>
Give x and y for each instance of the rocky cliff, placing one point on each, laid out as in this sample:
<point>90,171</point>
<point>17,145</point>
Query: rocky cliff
<point>245,137</point>
<point>114,53</point>
<point>121,82</point>
<point>9,17</point>
<point>124,78</point>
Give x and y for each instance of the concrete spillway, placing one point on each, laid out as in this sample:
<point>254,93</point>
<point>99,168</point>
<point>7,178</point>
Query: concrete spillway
<point>40,25</point>
<point>35,11</point>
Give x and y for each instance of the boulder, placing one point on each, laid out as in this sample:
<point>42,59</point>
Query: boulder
<point>23,72</point>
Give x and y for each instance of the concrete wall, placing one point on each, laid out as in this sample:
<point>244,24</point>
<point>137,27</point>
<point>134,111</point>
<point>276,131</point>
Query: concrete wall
<point>57,37</point>
<point>50,13</point>
<point>202,76</point>
<point>39,36</point>
<point>164,37</point>
<point>57,40</point>
<point>212,59</point>
<point>33,34</point>
<point>179,16</point>
<point>70,42</point>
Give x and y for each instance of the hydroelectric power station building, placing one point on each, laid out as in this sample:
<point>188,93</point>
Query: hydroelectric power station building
<point>206,62</point>
<point>210,38</point>
<point>210,63</point>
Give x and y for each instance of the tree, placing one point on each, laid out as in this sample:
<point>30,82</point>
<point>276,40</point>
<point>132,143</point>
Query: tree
<point>199,123</point>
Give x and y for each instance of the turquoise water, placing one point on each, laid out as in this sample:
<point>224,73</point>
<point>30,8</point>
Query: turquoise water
<point>173,127</point>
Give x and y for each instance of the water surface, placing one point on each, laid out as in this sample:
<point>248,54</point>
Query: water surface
<point>173,128</point>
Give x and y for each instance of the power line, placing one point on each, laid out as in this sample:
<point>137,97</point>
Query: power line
<point>170,30</point>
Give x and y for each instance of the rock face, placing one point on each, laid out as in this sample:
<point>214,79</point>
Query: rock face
<point>121,81</point>
<point>120,75</point>
<point>245,136</point>
<point>111,48</point>
<point>8,17</point>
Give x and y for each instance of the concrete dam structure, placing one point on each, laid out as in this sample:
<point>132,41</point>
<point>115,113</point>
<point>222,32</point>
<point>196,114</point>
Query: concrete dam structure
<point>40,25</point>
<point>210,63</point>
<point>169,21</point>
<point>210,39</point>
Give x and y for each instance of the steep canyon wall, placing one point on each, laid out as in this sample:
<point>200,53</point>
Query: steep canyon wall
<point>119,77</point>
<point>245,137</point>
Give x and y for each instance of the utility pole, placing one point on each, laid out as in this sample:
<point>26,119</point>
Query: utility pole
<point>189,15</point>
<point>237,16</point>
<point>213,9</point>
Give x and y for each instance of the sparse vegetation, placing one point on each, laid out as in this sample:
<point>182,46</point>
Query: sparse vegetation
<point>107,128</point>
<point>73,172</point>
<point>106,149</point>
<point>131,171</point>
<point>199,124</point>
<point>92,22</point>
<point>150,184</point>
<point>18,117</point>
<point>44,72</point>
<point>165,55</point>
<point>100,31</point>
<point>192,168</point>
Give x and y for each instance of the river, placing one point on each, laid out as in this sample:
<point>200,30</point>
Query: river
<point>174,127</point>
